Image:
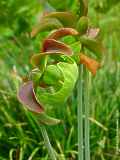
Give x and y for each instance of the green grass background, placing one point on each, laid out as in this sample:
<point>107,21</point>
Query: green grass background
<point>20,133</point>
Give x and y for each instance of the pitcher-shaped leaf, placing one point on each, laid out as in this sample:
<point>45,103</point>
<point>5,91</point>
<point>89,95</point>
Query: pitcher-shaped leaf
<point>90,63</point>
<point>46,24</point>
<point>62,32</point>
<point>52,75</point>
<point>70,74</point>
<point>53,46</point>
<point>26,96</point>
<point>66,18</point>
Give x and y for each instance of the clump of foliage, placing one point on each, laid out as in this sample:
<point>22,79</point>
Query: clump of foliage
<point>17,46</point>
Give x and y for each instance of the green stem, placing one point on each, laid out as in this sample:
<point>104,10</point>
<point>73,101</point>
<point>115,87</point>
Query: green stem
<point>86,120</point>
<point>80,113</point>
<point>117,132</point>
<point>47,143</point>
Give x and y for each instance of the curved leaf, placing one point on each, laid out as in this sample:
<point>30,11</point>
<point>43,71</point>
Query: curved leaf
<point>66,18</point>
<point>45,119</point>
<point>90,63</point>
<point>37,59</point>
<point>53,46</point>
<point>26,95</point>
<point>62,32</point>
<point>46,24</point>
<point>40,61</point>
<point>70,73</point>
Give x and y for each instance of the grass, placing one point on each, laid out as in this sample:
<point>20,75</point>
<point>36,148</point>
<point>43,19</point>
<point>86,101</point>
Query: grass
<point>20,134</point>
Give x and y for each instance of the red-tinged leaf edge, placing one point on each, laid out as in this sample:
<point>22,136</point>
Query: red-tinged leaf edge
<point>53,46</point>
<point>26,96</point>
<point>36,58</point>
<point>62,32</point>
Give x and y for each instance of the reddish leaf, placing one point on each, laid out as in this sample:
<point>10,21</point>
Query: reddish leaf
<point>26,96</point>
<point>53,46</point>
<point>62,32</point>
<point>90,63</point>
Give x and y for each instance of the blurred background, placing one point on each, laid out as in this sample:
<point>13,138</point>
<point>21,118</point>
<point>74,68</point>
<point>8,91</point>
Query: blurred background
<point>20,135</point>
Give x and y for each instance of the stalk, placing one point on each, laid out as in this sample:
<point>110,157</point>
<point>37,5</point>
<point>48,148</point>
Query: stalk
<point>47,143</point>
<point>86,112</point>
<point>117,132</point>
<point>80,113</point>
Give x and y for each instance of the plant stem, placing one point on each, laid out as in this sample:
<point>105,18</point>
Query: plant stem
<point>80,113</point>
<point>86,111</point>
<point>47,143</point>
<point>117,132</point>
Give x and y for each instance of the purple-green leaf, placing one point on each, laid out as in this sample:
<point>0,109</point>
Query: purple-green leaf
<point>26,96</point>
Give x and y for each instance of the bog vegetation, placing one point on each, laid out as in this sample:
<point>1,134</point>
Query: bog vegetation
<point>56,57</point>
